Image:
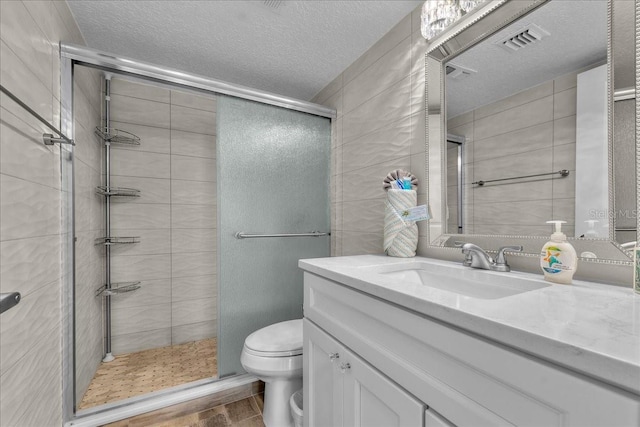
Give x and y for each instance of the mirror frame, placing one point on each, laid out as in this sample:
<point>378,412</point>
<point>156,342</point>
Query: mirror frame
<point>473,28</point>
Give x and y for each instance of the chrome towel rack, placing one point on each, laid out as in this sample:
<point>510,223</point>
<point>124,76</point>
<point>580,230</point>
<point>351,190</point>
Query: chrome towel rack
<point>562,173</point>
<point>243,235</point>
<point>48,138</point>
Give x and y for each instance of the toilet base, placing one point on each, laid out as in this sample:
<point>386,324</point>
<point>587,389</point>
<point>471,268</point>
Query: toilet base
<point>277,392</point>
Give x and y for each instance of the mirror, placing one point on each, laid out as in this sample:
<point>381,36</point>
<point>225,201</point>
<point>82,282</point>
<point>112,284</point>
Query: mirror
<point>518,114</point>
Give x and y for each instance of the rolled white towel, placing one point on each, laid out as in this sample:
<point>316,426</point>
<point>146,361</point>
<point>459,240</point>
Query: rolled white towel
<point>400,236</point>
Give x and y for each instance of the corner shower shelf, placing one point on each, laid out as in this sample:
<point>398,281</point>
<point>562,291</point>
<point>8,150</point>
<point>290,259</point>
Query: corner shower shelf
<point>117,136</point>
<point>118,288</point>
<point>118,191</point>
<point>112,136</point>
<point>108,241</point>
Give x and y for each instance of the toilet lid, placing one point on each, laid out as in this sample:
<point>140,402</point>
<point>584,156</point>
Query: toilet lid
<point>277,340</point>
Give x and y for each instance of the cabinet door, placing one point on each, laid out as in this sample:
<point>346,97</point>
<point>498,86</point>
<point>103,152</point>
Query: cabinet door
<point>372,400</point>
<point>322,380</point>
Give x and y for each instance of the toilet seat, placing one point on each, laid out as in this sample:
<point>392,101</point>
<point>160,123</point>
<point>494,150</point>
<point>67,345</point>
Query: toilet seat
<point>273,353</point>
<point>282,339</point>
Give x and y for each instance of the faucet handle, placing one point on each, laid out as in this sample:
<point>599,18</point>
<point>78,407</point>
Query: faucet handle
<point>468,257</point>
<point>501,258</point>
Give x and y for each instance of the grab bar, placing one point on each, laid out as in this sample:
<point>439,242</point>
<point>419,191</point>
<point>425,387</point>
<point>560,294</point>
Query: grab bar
<point>48,138</point>
<point>243,235</point>
<point>9,300</point>
<point>563,173</point>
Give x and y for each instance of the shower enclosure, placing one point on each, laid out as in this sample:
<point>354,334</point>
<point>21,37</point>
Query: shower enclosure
<point>455,184</point>
<point>169,180</point>
<point>273,179</point>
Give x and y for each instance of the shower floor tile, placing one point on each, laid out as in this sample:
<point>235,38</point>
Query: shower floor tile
<point>143,372</point>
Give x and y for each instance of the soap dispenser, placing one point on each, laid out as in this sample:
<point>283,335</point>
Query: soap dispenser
<point>558,258</point>
<point>591,231</point>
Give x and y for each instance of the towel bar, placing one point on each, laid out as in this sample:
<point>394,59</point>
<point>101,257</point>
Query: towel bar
<point>242,235</point>
<point>562,173</point>
<point>48,138</point>
<point>9,300</point>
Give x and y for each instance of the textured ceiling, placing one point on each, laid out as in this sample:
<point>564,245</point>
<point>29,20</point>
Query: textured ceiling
<point>578,38</point>
<point>293,49</point>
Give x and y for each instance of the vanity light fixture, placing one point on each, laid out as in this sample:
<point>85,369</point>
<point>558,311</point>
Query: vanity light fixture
<point>439,14</point>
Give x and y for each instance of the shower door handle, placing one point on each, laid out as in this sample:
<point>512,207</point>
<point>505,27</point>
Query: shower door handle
<point>9,300</point>
<point>243,235</point>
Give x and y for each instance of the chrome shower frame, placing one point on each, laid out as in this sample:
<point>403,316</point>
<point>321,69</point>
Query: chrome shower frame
<point>72,55</point>
<point>108,357</point>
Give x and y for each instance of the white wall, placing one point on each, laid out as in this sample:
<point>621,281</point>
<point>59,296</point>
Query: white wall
<point>592,163</point>
<point>379,127</point>
<point>89,225</point>
<point>30,190</point>
<point>174,167</point>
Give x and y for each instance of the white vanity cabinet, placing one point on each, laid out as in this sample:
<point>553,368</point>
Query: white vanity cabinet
<point>407,368</point>
<point>346,391</point>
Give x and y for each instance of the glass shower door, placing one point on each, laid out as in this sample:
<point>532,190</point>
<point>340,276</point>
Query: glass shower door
<point>272,178</point>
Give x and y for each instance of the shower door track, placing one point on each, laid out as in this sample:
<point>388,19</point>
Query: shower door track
<point>71,55</point>
<point>108,61</point>
<point>117,411</point>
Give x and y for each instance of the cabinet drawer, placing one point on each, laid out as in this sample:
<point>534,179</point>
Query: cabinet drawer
<point>465,378</point>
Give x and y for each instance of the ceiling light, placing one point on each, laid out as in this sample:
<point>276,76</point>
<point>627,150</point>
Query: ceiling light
<point>439,14</point>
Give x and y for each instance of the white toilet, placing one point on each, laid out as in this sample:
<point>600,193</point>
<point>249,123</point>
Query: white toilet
<point>274,355</point>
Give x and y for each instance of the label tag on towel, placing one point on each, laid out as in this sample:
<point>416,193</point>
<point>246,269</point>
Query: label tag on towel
<point>418,213</point>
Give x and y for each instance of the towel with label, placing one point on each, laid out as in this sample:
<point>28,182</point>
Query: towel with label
<point>400,234</point>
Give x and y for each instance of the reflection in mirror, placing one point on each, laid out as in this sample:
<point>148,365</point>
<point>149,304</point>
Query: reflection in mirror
<point>624,164</point>
<point>497,111</point>
<point>527,126</point>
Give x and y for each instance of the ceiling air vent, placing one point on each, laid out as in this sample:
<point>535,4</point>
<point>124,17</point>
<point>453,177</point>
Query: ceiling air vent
<point>524,37</point>
<point>458,72</point>
<point>273,4</point>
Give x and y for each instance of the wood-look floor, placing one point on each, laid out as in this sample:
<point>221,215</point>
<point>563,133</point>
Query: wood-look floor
<point>242,413</point>
<point>146,371</point>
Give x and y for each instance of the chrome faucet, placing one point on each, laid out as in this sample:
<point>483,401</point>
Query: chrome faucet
<point>476,257</point>
<point>501,260</point>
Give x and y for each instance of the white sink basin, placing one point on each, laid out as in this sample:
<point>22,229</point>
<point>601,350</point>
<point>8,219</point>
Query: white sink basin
<point>473,283</point>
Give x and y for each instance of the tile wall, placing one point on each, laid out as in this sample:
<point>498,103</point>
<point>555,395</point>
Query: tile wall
<point>30,190</point>
<point>89,225</point>
<point>534,131</point>
<point>380,127</point>
<point>175,217</point>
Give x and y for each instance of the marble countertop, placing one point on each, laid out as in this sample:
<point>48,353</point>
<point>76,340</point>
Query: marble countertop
<point>590,328</point>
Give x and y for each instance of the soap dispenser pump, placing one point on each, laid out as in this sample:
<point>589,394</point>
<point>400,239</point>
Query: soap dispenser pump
<point>591,231</point>
<point>558,258</point>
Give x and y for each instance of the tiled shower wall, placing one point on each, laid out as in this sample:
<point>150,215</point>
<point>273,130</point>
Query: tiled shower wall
<point>175,217</point>
<point>30,193</point>
<point>531,132</point>
<point>380,127</point>
<point>89,225</point>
